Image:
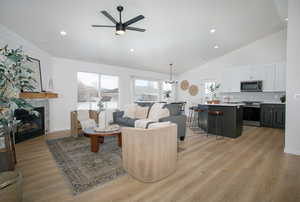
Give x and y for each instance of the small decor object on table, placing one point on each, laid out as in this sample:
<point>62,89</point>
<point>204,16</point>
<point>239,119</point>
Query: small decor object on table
<point>108,129</point>
<point>97,136</point>
<point>213,91</point>
<point>102,107</point>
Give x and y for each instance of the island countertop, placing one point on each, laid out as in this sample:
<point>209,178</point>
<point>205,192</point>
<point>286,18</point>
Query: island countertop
<point>225,104</point>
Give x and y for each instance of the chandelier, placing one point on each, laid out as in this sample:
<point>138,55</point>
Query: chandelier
<point>171,81</point>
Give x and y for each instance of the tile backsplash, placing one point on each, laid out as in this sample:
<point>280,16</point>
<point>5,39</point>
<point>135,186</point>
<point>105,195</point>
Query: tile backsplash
<point>252,96</point>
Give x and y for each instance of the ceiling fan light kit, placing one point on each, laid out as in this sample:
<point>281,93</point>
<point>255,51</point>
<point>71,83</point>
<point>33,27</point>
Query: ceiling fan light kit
<point>120,26</point>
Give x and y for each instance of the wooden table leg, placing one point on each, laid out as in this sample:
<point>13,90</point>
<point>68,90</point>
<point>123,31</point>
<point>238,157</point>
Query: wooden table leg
<point>120,140</point>
<point>94,144</point>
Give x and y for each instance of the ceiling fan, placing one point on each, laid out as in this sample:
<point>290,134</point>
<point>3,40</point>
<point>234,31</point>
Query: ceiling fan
<point>120,26</point>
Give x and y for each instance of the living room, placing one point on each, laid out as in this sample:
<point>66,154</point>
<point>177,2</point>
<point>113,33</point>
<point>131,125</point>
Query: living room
<point>189,101</point>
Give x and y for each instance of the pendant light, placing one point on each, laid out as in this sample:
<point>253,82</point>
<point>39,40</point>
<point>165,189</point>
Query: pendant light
<point>171,81</point>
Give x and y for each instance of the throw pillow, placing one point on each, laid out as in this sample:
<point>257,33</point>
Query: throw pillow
<point>129,111</point>
<point>154,111</point>
<point>159,124</point>
<point>141,112</point>
<point>157,112</point>
<point>163,113</point>
<point>142,123</point>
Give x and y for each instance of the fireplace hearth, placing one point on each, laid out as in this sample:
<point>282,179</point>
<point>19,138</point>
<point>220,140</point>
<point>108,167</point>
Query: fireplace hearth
<point>30,125</point>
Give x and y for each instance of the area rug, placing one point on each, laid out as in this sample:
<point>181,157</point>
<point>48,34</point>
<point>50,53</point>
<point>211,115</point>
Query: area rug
<point>83,168</point>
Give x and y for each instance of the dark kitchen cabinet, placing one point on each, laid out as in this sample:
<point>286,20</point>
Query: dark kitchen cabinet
<point>272,115</point>
<point>232,124</point>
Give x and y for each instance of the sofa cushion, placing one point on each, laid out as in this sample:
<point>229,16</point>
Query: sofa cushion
<point>126,121</point>
<point>159,124</point>
<point>143,123</point>
<point>174,109</point>
<point>141,112</point>
<point>129,111</point>
<point>157,112</point>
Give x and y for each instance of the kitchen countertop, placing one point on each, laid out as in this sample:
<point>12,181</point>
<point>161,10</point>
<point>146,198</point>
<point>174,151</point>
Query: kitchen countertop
<point>225,104</point>
<point>239,104</point>
<point>276,103</point>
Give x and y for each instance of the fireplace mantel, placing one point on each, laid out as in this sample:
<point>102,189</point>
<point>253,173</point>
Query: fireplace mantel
<point>42,95</point>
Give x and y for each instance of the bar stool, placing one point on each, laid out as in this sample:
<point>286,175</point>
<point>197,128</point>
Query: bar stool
<point>195,119</point>
<point>190,116</point>
<point>198,111</point>
<point>218,122</point>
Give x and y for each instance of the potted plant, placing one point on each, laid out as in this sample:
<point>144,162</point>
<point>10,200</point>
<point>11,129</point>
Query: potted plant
<point>14,76</point>
<point>213,91</point>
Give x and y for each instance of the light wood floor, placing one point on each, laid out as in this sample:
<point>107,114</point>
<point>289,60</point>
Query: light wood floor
<point>250,168</point>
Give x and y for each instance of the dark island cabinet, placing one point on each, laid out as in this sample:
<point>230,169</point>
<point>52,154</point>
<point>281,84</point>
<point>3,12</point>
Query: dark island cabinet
<point>231,124</point>
<point>272,115</point>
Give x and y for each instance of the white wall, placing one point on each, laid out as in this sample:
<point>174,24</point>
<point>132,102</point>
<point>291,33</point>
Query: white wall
<point>65,84</point>
<point>13,40</point>
<point>270,49</point>
<point>292,138</point>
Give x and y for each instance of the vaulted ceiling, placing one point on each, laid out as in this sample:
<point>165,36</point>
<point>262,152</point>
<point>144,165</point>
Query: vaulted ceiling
<point>177,31</point>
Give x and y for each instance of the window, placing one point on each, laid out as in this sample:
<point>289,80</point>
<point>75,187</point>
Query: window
<point>91,86</point>
<point>146,90</point>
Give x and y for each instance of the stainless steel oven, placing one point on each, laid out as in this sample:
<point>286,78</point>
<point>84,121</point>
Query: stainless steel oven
<point>251,113</point>
<point>251,86</point>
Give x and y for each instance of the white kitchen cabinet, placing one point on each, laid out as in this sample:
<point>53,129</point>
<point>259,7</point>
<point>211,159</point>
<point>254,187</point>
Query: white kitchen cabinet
<point>231,80</point>
<point>235,79</point>
<point>280,80</point>
<point>272,75</point>
<point>243,73</point>
<point>226,82</point>
<point>269,76</point>
<point>256,73</point>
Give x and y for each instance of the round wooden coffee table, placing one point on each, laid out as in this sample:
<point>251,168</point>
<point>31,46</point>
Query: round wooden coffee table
<point>98,137</point>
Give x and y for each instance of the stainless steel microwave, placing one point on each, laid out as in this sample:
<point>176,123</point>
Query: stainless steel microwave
<point>251,86</point>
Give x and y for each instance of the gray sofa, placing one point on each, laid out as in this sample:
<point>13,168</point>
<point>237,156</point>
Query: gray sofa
<point>176,117</point>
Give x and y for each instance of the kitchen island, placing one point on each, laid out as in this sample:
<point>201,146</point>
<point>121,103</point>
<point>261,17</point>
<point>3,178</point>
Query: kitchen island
<point>232,126</point>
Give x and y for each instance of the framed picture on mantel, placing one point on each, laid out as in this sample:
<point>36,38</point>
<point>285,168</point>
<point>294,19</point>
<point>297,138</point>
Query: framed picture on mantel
<point>35,65</point>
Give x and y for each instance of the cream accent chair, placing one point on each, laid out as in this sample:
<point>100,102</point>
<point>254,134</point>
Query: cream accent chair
<point>76,129</point>
<point>150,155</point>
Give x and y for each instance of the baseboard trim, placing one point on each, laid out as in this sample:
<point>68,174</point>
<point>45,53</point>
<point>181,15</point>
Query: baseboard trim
<point>292,151</point>
<point>59,130</point>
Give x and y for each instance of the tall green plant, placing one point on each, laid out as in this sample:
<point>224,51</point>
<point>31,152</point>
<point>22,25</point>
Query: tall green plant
<point>14,76</point>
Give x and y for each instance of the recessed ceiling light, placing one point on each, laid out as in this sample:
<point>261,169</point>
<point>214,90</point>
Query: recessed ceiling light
<point>131,50</point>
<point>216,46</point>
<point>212,30</point>
<point>63,33</point>
<point>286,19</point>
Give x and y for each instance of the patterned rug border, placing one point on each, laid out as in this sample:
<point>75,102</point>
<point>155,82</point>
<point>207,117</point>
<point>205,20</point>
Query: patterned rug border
<point>61,162</point>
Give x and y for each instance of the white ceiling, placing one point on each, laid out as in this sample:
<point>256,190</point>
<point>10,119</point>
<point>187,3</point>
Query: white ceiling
<point>177,31</point>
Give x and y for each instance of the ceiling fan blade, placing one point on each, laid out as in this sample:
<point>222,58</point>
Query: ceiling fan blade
<point>135,29</point>
<point>133,20</point>
<point>109,16</point>
<point>103,26</point>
